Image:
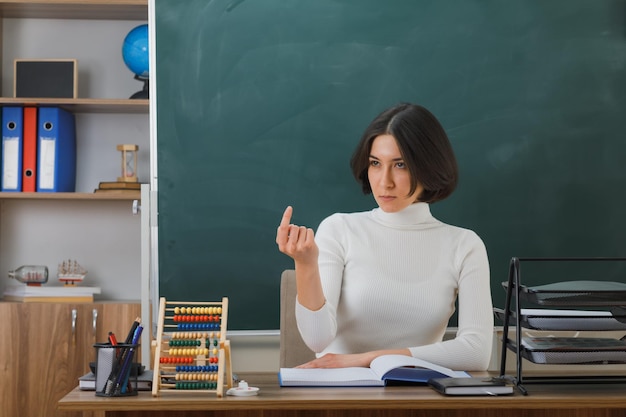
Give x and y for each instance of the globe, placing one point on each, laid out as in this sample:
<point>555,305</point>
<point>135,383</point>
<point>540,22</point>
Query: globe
<point>135,51</point>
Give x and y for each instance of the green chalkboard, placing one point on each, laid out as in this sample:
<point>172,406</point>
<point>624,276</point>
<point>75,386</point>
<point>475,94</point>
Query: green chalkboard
<point>260,103</point>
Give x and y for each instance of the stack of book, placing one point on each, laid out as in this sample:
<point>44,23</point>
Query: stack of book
<point>119,188</point>
<point>87,382</point>
<point>49,293</point>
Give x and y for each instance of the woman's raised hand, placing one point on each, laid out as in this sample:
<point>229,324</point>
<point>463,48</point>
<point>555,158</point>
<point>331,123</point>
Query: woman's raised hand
<point>298,242</point>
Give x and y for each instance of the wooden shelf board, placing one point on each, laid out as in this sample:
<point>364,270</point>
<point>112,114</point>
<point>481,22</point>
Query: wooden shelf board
<point>70,196</point>
<point>75,9</point>
<point>84,105</point>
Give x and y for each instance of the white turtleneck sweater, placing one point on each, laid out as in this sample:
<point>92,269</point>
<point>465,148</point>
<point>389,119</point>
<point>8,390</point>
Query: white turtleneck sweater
<point>391,281</point>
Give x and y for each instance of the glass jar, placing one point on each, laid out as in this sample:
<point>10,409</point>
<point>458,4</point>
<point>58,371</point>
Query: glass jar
<point>30,274</point>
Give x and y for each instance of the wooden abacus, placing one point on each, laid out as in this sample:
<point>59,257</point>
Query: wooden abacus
<point>191,350</point>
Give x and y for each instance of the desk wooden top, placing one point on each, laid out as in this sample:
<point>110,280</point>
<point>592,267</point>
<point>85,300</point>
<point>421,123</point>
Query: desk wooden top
<point>271,396</point>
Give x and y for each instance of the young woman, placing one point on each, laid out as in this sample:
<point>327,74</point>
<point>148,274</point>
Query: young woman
<point>386,281</point>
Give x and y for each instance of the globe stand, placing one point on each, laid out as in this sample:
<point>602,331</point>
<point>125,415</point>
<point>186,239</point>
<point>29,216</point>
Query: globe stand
<point>144,93</point>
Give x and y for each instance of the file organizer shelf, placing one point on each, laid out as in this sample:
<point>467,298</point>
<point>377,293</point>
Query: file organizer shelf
<point>571,306</point>
<point>191,350</point>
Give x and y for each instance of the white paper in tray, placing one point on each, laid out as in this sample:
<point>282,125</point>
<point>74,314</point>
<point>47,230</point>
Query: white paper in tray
<point>576,357</point>
<point>572,319</point>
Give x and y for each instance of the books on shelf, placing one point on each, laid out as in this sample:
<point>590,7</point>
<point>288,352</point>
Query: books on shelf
<point>87,382</point>
<point>44,293</point>
<point>470,386</point>
<point>119,188</point>
<point>119,185</point>
<point>127,193</point>
<point>384,370</point>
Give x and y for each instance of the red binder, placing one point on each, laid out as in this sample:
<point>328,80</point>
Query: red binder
<point>29,165</point>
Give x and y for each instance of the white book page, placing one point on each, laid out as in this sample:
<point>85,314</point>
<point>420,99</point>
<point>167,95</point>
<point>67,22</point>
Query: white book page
<point>383,364</point>
<point>358,375</point>
<point>317,376</point>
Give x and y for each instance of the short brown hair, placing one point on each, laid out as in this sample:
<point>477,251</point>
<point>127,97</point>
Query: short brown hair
<point>424,146</point>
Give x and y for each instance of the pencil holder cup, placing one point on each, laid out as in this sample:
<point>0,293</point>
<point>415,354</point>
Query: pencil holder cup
<point>116,370</point>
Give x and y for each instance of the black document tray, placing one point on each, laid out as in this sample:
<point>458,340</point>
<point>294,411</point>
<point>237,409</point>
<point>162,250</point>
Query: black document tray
<point>575,293</point>
<point>556,320</point>
<point>573,350</point>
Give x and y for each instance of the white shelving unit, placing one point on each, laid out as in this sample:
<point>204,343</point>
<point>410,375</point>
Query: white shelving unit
<point>99,231</point>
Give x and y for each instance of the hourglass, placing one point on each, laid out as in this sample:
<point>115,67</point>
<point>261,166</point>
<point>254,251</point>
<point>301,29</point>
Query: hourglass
<point>129,163</point>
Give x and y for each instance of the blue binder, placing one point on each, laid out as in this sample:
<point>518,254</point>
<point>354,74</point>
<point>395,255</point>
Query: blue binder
<point>56,150</point>
<point>12,148</point>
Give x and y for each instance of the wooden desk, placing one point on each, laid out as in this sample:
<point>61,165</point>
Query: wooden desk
<point>571,400</point>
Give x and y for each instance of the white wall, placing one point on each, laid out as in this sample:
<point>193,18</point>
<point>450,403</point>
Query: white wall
<point>96,44</point>
<point>254,353</point>
<point>103,236</point>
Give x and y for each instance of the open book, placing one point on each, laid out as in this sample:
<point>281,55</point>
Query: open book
<point>384,370</point>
